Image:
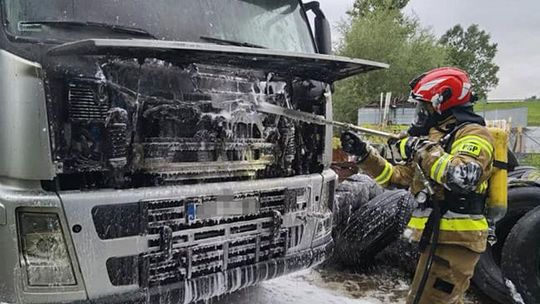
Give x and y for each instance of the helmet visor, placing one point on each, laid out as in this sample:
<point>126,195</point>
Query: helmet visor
<point>422,114</point>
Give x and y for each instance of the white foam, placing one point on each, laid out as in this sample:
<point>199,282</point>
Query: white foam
<point>298,288</point>
<point>513,292</point>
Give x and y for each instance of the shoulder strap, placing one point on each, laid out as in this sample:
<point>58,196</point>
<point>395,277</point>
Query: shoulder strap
<point>447,141</point>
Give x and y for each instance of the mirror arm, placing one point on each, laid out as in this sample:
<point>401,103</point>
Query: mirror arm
<point>315,7</point>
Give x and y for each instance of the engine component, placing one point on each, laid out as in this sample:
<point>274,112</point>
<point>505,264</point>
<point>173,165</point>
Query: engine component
<point>155,122</point>
<point>87,101</point>
<point>116,137</point>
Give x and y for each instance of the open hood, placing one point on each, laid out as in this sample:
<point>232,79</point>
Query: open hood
<point>326,68</point>
<point>138,113</point>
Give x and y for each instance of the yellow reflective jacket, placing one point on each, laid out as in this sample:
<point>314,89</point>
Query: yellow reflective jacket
<point>472,143</point>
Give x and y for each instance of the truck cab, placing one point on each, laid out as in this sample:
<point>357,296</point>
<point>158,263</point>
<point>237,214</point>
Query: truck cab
<point>134,164</point>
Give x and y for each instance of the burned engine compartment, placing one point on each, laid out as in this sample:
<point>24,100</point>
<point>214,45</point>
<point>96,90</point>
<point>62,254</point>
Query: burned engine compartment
<point>127,122</point>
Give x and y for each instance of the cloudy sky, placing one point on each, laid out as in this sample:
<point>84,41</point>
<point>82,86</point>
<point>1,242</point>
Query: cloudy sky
<point>513,24</point>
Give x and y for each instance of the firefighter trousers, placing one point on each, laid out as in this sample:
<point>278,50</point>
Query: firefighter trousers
<point>452,268</point>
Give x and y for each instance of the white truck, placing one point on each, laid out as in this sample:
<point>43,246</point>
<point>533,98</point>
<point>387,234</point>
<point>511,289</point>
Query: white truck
<point>134,165</point>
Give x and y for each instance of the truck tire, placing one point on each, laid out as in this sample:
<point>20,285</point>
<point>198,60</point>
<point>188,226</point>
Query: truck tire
<point>401,254</point>
<point>488,276</point>
<point>352,193</point>
<point>372,227</point>
<point>521,257</point>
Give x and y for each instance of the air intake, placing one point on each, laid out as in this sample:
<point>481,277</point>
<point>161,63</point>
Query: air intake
<point>85,104</point>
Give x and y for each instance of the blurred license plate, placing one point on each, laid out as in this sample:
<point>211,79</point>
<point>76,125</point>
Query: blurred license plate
<point>215,209</point>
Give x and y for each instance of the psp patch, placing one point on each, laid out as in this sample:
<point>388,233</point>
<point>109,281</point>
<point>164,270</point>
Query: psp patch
<point>469,148</point>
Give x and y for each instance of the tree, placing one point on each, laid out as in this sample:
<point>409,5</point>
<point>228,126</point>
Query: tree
<point>472,51</point>
<point>365,7</point>
<point>386,36</point>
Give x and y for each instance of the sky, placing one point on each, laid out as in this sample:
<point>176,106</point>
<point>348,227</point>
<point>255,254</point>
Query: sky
<point>513,24</point>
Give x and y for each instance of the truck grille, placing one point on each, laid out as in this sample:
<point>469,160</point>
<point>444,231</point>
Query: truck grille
<point>161,269</point>
<point>182,248</point>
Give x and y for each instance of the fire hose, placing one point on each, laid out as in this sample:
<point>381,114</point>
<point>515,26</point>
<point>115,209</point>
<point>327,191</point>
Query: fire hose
<point>268,108</point>
<point>430,236</point>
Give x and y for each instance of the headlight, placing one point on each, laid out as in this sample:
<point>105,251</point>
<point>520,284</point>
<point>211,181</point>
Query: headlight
<point>44,251</point>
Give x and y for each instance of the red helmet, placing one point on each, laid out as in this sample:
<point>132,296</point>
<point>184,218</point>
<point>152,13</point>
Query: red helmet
<point>445,88</point>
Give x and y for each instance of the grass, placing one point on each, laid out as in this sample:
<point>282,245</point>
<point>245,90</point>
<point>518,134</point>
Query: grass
<point>532,159</point>
<point>533,106</point>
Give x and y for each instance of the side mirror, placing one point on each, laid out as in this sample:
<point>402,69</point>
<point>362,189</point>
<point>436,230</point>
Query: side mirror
<point>323,33</point>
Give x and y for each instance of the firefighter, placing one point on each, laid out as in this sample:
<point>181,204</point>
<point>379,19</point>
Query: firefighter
<point>454,150</point>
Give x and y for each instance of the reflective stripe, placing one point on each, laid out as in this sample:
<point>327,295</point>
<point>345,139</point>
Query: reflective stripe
<point>386,174</point>
<point>475,137</point>
<point>402,145</point>
<point>420,213</point>
<point>483,187</point>
<point>488,150</point>
<point>439,167</point>
<point>474,140</point>
<point>455,224</point>
<point>444,166</point>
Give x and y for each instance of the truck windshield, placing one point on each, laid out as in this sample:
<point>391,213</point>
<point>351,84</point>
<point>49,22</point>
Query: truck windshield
<point>274,24</point>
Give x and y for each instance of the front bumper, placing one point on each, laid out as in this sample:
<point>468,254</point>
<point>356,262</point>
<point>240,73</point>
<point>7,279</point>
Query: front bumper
<point>222,283</point>
<point>201,259</point>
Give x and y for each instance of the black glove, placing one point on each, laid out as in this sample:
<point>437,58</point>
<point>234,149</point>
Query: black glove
<point>351,143</point>
<point>408,146</point>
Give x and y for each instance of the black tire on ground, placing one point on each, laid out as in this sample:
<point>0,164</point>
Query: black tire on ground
<point>488,276</point>
<point>372,227</point>
<point>521,256</point>
<point>401,254</point>
<point>352,193</point>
